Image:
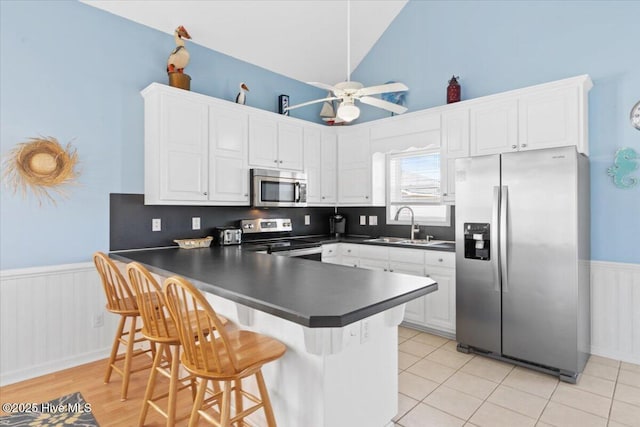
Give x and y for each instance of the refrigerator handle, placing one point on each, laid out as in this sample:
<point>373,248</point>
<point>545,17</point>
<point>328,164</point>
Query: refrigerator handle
<point>494,237</point>
<point>504,238</point>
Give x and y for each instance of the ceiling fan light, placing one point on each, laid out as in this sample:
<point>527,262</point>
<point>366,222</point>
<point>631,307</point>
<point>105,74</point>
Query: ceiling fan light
<point>348,112</point>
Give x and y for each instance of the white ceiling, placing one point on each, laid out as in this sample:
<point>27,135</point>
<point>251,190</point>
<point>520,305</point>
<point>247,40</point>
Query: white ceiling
<point>303,39</point>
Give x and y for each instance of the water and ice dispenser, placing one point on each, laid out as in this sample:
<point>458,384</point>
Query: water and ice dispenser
<point>477,244</point>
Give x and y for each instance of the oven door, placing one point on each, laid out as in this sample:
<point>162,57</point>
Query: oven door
<point>314,254</point>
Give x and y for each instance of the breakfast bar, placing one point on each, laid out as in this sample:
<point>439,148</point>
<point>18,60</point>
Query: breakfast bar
<point>339,325</point>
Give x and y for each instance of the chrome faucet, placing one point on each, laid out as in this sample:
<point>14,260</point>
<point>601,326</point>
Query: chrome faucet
<point>414,229</point>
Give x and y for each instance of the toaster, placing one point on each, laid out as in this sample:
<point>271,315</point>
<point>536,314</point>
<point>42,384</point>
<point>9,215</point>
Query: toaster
<point>228,236</point>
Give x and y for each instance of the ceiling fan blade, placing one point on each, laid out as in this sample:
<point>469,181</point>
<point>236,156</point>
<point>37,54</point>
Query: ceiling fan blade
<point>389,87</point>
<point>325,86</point>
<point>394,108</point>
<point>315,101</point>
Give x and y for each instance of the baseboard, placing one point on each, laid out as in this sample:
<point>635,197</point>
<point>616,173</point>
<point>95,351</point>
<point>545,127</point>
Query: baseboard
<point>7,378</point>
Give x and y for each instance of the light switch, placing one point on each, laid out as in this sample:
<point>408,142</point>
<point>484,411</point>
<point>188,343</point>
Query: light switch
<point>373,220</point>
<point>307,220</point>
<point>195,223</point>
<point>363,220</point>
<point>156,224</point>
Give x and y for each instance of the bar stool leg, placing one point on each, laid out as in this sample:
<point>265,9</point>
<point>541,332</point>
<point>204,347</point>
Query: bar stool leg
<point>127,359</point>
<point>151,385</point>
<point>264,396</point>
<point>195,416</point>
<point>238,399</point>
<point>173,386</point>
<point>225,414</point>
<point>114,349</point>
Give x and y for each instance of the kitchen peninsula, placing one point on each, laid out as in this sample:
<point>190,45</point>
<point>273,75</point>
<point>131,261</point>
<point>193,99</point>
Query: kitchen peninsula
<point>339,324</point>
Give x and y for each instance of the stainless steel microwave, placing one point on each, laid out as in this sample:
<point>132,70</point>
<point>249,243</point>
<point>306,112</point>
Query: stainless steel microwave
<point>271,188</point>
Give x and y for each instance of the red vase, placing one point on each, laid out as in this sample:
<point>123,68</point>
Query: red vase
<point>453,90</point>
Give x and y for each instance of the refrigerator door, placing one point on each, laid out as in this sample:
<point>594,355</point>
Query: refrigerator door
<point>477,280</point>
<point>539,262</point>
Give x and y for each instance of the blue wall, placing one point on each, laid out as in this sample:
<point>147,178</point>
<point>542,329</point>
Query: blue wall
<point>75,72</point>
<point>496,46</point>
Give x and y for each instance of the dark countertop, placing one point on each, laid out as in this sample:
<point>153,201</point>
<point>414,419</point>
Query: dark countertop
<point>362,240</point>
<point>310,293</point>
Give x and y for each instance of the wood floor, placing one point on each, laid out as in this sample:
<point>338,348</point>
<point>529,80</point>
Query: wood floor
<point>105,401</point>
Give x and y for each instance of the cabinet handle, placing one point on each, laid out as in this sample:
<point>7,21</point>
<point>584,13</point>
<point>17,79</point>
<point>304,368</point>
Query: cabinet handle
<point>246,195</point>
<point>385,269</point>
<point>428,275</point>
<point>439,259</point>
<point>349,250</point>
<point>391,270</point>
<point>355,265</point>
<point>523,145</point>
<point>280,161</point>
<point>205,193</point>
<point>366,197</point>
<point>444,194</point>
<point>330,251</point>
<point>323,197</point>
<point>275,161</point>
<point>514,146</point>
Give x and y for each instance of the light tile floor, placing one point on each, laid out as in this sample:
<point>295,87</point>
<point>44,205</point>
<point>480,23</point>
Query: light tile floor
<point>441,387</point>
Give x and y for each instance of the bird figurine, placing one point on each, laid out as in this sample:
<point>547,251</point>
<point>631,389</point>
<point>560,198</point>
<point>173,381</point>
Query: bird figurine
<point>179,58</point>
<point>241,98</point>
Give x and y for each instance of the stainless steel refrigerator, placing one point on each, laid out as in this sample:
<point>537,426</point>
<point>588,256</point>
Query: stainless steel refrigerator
<point>522,258</point>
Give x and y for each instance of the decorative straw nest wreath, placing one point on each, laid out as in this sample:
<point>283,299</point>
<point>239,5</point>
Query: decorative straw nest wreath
<point>41,165</point>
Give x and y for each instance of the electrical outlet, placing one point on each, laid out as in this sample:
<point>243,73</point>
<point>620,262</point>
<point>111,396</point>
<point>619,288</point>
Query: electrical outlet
<point>307,220</point>
<point>156,224</point>
<point>98,320</point>
<point>195,223</point>
<point>373,220</point>
<point>364,331</point>
<point>363,220</point>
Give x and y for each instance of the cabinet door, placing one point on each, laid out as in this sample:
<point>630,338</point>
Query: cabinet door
<point>448,180</point>
<point>290,143</point>
<point>415,309</point>
<point>494,127</point>
<point>263,142</point>
<point>455,133</point>
<point>440,309</point>
<point>549,119</point>
<point>183,149</point>
<point>228,170</point>
<point>350,261</point>
<point>354,168</point>
<point>374,264</point>
<point>329,167</point>
<point>312,165</point>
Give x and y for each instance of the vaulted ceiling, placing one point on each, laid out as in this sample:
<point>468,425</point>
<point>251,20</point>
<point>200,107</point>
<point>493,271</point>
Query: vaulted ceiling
<point>302,39</point>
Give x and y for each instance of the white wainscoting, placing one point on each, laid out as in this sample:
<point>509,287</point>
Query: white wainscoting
<point>615,310</point>
<point>46,317</point>
<point>46,320</point>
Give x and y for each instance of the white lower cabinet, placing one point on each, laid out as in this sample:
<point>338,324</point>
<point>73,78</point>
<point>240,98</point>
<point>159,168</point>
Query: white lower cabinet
<point>435,311</point>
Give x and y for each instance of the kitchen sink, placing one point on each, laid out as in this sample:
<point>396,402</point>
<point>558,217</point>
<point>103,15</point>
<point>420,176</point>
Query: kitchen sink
<point>387,240</point>
<point>442,244</point>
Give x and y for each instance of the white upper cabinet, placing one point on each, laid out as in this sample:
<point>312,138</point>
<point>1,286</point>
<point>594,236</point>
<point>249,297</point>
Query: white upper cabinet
<point>274,144</point>
<point>320,164</point>
<point>494,127</point>
<point>354,167</point>
<point>455,133</point>
<point>549,119</point>
<point>228,169</point>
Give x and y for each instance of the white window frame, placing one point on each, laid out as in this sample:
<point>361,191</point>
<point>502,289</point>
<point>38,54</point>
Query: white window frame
<point>443,220</point>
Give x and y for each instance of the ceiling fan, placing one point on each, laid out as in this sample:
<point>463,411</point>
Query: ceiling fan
<point>348,92</point>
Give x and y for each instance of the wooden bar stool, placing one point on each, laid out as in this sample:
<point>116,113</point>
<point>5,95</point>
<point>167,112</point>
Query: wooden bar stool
<point>121,300</point>
<point>224,357</point>
<point>159,327</point>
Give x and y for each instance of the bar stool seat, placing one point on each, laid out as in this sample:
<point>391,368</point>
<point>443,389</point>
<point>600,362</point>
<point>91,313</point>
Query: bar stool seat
<point>122,301</point>
<point>220,356</point>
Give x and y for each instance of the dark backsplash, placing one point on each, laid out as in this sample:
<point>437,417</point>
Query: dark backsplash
<point>130,222</point>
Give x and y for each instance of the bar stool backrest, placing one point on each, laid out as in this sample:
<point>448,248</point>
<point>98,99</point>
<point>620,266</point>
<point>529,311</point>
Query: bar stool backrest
<point>204,341</point>
<point>156,320</point>
<point>120,297</point>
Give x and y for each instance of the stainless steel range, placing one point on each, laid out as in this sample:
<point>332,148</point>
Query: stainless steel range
<point>282,246</point>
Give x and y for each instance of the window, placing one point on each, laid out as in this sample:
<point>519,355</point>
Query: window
<point>413,179</point>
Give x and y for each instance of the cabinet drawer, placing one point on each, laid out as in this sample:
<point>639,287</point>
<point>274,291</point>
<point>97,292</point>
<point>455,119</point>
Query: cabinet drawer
<point>349,249</point>
<point>374,252</point>
<point>414,256</point>
<point>440,259</point>
<point>351,261</point>
<point>329,251</point>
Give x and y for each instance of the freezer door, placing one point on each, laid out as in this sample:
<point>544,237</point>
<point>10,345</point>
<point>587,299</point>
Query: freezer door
<point>477,280</point>
<point>539,263</point>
